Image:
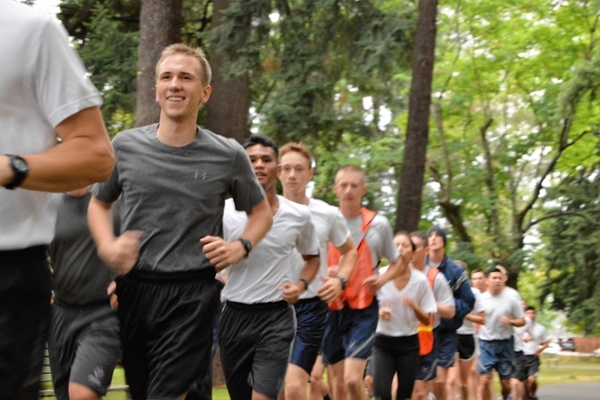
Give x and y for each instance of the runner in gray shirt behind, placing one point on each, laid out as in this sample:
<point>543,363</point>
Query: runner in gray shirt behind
<point>84,341</point>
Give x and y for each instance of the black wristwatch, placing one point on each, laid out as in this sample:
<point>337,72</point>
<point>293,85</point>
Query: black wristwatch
<point>20,169</point>
<point>344,282</point>
<point>247,245</point>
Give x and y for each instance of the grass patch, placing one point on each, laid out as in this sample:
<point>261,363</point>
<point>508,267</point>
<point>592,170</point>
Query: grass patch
<point>573,374</point>
<point>564,372</point>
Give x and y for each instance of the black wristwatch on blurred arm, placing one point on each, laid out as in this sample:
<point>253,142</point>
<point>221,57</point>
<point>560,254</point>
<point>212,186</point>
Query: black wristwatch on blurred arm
<point>20,169</point>
<point>247,245</point>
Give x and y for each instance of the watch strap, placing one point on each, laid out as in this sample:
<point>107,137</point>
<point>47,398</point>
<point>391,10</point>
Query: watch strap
<point>247,245</point>
<point>20,173</point>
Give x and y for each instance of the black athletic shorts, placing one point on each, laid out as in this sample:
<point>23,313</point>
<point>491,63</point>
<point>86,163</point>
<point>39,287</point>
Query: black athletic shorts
<point>84,346</point>
<point>467,347</point>
<point>531,366</point>
<point>24,318</point>
<point>255,342</point>
<point>166,329</point>
<point>518,367</point>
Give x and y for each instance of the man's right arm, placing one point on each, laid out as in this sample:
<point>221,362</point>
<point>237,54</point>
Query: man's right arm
<point>222,254</point>
<point>85,156</point>
<point>332,286</point>
<point>119,253</point>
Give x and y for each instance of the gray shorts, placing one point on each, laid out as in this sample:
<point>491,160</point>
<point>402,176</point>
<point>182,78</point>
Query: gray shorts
<point>84,347</point>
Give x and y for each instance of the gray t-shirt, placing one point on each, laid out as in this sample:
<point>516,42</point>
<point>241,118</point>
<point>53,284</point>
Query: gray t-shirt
<point>80,277</point>
<point>176,195</point>
<point>379,237</point>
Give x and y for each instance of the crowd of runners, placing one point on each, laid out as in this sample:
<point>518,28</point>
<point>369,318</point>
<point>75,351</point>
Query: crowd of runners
<point>189,229</point>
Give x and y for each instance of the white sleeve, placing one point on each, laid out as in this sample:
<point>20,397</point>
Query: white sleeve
<point>62,83</point>
<point>441,290</point>
<point>339,232</point>
<point>307,242</point>
<point>426,299</point>
<point>478,307</point>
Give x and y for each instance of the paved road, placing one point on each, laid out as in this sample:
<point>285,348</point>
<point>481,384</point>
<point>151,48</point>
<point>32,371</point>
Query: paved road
<point>570,391</point>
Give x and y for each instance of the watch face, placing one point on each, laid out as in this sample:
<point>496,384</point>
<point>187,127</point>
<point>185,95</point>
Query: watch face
<point>20,164</point>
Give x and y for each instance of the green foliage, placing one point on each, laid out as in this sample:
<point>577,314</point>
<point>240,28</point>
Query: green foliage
<point>106,38</point>
<point>572,254</point>
<point>514,81</point>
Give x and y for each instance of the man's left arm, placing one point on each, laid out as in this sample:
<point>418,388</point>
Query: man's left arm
<point>291,291</point>
<point>544,343</point>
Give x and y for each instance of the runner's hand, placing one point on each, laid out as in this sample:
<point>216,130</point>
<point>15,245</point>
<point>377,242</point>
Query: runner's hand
<point>222,253</point>
<point>331,289</point>
<point>122,254</point>
<point>290,292</point>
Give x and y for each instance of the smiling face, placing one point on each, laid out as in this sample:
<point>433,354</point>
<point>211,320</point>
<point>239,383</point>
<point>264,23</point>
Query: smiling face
<point>179,89</point>
<point>294,172</point>
<point>264,164</point>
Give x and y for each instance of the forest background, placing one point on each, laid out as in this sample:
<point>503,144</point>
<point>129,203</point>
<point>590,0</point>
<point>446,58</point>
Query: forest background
<point>482,116</point>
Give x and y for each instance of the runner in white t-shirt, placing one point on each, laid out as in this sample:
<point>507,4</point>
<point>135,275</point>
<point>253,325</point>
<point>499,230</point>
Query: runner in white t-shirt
<point>445,308</point>
<point>403,303</point>
<point>534,342</point>
<point>460,375</point>
<point>503,312</point>
<point>258,323</point>
<point>295,172</point>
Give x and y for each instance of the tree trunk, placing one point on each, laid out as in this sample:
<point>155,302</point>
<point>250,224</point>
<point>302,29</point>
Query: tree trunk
<point>160,26</point>
<point>413,166</point>
<point>229,104</point>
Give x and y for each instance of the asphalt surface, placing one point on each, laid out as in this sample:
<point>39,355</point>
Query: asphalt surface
<point>570,391</point>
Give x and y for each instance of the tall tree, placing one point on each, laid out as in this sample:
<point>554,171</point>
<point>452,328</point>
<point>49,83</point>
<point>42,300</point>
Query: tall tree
<point>229,104</point>
<point>160,26</point>
<point>417,133</point>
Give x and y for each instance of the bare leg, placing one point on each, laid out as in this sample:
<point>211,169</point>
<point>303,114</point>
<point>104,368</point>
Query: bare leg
<point>453,382</point>
<point>80,392</point>
<point>466,384</point>
<point>439,385</point>
<point>336,381</point>
<point>486,389</point>
<point>354,369</point>
<point>318,388</point>
<point>296,383</point>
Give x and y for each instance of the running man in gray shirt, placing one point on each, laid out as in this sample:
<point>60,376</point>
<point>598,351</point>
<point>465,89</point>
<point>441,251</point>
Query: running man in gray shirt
<point>174,178</point>
<point>84,343</point>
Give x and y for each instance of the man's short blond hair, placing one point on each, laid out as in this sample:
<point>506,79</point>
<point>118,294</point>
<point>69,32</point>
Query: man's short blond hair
<point>352,168</point>
<point>298,148</point>
<point>197,53</point>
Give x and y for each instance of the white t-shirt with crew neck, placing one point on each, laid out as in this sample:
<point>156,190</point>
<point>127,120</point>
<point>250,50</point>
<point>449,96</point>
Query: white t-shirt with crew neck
<point>330,226</point>
<point>495,306</point>
<point>257,278</point>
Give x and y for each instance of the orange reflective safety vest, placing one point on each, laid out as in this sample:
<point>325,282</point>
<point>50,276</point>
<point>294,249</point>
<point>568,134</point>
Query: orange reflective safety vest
<point>425,332</point>
<point>356,295</point>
